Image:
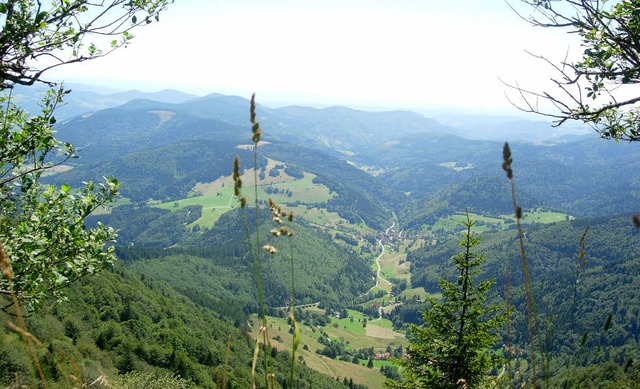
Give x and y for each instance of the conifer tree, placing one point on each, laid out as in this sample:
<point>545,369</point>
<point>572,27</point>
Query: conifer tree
<point>453,348</point>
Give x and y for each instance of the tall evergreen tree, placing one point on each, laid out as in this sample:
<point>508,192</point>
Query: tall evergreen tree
<point>453,348</point>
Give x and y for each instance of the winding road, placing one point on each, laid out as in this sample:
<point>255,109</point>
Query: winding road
<point>378,276</point>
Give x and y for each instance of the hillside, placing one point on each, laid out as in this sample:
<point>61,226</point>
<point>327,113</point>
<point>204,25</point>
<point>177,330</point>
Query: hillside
<point>607,284</point>
<point>120,321</point>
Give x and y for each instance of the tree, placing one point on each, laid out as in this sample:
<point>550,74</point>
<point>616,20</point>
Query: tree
<point>38,36</point>
<point>453,348</point>
<point>600,89</point>
<point>44,243</point>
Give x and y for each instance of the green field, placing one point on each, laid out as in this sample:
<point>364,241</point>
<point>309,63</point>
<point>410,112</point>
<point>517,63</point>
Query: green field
<point>420,293</point>
<point>217,198</point>
<point>451,223</point>
<point>353,334</point>
<point>213,205</point>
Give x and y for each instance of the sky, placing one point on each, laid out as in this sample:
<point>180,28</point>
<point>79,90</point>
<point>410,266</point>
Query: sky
<point>378,54</point>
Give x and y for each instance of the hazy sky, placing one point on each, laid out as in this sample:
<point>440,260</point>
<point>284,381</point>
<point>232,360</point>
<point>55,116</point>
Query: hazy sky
<point>418,54</point>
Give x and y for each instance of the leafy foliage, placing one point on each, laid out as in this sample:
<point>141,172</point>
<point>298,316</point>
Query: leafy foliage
<point>41,226</point>
<point>54,34</point>
<point>595,89</point>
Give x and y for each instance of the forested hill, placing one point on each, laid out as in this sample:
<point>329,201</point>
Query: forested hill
<point>573,300</point>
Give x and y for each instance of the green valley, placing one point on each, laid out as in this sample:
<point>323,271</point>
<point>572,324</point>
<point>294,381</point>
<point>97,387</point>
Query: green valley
<point>371,237</point>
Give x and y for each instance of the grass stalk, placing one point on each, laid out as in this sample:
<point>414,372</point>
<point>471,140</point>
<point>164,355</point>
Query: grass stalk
<point>255,254</point>
<point>532,317</point>
<point>30,341</point>
<point>254,246</point>
<point>296,331</point>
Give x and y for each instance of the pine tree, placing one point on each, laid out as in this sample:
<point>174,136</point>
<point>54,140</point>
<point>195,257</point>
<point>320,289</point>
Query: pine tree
<point>453,348</point>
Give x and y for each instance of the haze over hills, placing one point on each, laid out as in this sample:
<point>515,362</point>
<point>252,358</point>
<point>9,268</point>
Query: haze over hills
<point>499,127</point>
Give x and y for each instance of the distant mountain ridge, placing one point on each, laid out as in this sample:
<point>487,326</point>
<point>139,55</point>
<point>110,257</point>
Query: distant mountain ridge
<point>415,155</point>
<point>84,99</point>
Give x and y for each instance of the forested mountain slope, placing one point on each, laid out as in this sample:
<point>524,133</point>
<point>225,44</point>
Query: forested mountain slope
<point>609,283</point>
<point>120,320</point>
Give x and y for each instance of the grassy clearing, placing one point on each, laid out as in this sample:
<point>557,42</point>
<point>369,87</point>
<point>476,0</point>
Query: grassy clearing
<point>377,332</point>
<point>304,190</point>
<point>419,293</point>
<point>214,204</point>
<point>216,197</point>
<point>352,324</point>
<point>454,166</point>
<point>545,217</point>
<point>56,169</point>
<point>223,198</point>
<point>377,364</point>
<point>393,263</point>
<point>383,323</point>
<point>451,223</point>
<point>106,210</point>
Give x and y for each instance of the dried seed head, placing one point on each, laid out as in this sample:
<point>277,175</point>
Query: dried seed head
<point>236,167</point>
<point>252,108</point>
<point>519,213</point>
<point>636,221</point>
<point>284,230</point>
<point>256,136</point>
<point>243,202</point>
<point>277,219</point>
<point>507,160</point>
<point>270,249</point>
<point>290,217</point>
<point>237,181</point>
<point>275,232</point>
<point>5,265</point>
